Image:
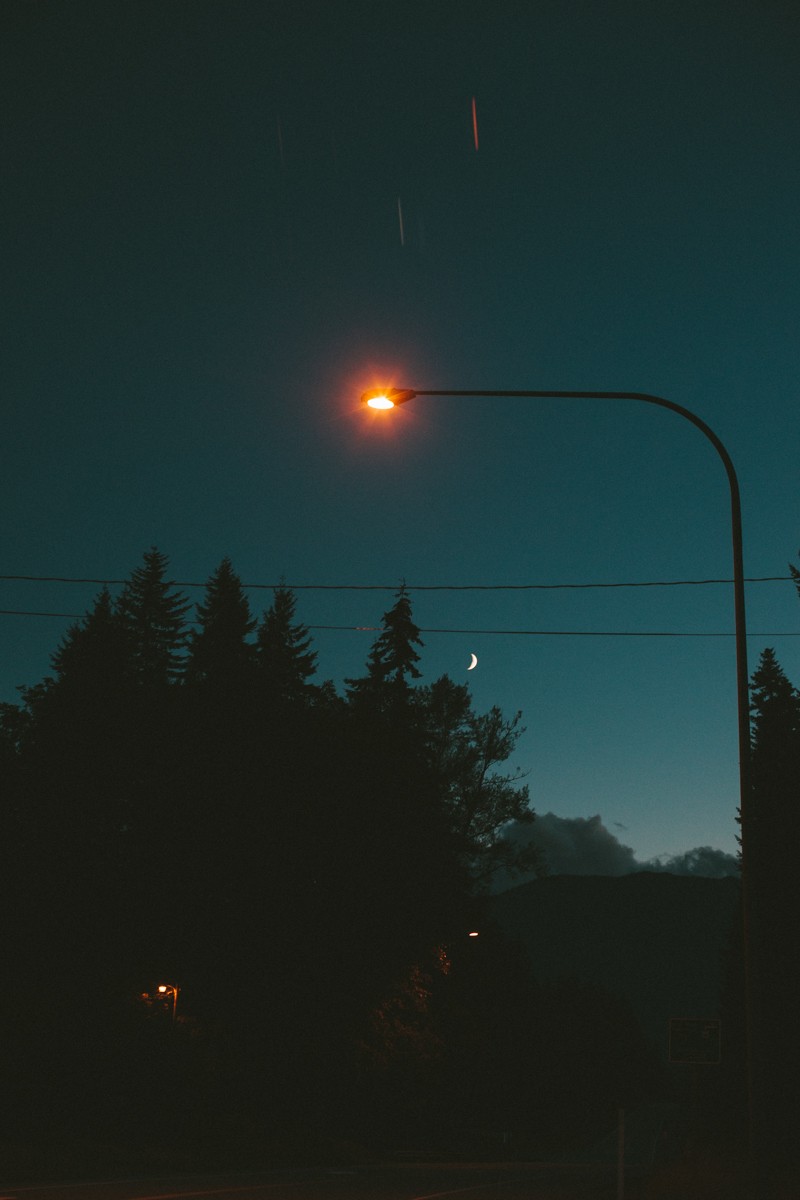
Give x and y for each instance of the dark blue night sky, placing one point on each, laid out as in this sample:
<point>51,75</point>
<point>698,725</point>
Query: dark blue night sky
<point>204,265</point>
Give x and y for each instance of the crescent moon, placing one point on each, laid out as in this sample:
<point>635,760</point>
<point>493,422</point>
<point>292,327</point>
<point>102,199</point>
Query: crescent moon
<point>474,663</point>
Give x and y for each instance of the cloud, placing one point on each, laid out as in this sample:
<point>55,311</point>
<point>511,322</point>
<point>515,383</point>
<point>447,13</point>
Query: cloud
<point>584,846</point>
<point>703,860</point>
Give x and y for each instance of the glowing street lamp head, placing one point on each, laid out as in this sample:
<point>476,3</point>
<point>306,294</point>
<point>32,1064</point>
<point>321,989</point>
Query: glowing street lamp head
<point>386,397</point>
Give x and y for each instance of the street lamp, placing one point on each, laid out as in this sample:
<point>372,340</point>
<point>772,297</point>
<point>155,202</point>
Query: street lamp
<point>166,989</point>
<point>387,398</point>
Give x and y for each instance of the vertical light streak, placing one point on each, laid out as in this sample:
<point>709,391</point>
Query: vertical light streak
<point>400,220</point>
<point>474,123</point>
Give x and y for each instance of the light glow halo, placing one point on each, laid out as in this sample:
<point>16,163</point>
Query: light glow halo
<point>386,397</point>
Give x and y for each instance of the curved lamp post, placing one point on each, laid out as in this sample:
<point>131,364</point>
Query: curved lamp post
<point>167,989</point>
<point>386,398</point>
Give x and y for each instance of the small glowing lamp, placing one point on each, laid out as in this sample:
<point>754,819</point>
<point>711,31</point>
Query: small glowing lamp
<point>166,989</point>
<point>386,397</point>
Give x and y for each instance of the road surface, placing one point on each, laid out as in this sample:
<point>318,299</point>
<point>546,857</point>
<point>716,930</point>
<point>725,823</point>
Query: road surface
<point>407,1182</point>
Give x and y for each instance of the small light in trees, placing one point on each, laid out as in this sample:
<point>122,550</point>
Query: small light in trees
<point>170,989</point>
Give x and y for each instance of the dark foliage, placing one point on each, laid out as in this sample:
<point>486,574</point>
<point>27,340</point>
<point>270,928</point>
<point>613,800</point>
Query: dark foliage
<point>392,663</point>
<point>152,618</point>
<point>772,835</point>
<point>474,1055</point>
<point>285,659</point>
<point>220,656</point>
<point>182,805</point>
<point>761,1044</point>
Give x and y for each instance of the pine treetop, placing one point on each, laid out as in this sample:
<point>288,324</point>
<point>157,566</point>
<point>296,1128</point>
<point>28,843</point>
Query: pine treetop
<point>219,648</point>
<point>285,659</point>
<point>153,618</point>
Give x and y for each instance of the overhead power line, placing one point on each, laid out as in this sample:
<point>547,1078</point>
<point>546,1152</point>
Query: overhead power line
<point>497,587</point>
<point>627,633</point>
<point>565,632</point>
<point>19,612</point>
<point>418,587</point>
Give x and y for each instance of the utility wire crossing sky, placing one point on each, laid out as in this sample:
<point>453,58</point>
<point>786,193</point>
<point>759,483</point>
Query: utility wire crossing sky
<point>464,587</point>
<point>222,237</point>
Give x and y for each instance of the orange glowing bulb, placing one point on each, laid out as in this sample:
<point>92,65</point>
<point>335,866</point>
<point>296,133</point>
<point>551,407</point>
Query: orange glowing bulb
<point>386,397</point>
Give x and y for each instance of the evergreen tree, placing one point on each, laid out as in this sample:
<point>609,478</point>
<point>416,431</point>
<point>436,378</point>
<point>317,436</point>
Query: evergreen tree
<point>772,834</point>
<point>76,760</point>
<point>153,618</point>
<point>217,731</point>
<point>286,662</point>
<point>220,655</point>
<point>177,826</point>
<point>775,771</point>
<point>92,658</point>
<point>155,787</point>
<point>392,661</point>
<point>393,658</point>
<point>77,728</point>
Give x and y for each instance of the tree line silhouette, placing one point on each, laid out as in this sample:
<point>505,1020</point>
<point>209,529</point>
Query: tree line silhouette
<point>771,833</point>
<point>767,1105</point>
<point>183,803</point>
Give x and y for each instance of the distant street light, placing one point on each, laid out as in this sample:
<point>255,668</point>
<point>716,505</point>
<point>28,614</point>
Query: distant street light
<point>387,398</point>
<point>166,989</point>
<point>391,397</point>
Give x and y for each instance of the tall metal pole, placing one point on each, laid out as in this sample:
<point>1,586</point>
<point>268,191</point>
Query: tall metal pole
<point>401,395</point>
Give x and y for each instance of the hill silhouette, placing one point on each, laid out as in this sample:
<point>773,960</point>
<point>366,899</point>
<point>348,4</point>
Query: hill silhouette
<point>655,939</point>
